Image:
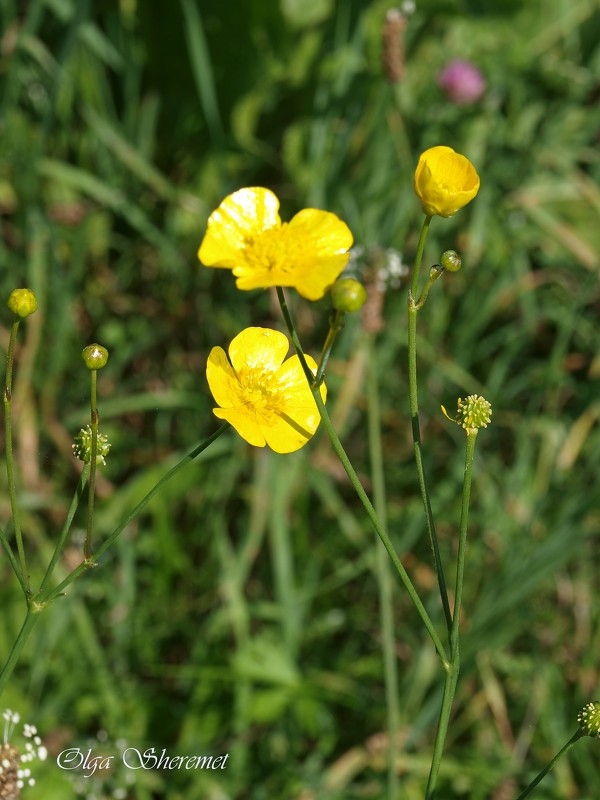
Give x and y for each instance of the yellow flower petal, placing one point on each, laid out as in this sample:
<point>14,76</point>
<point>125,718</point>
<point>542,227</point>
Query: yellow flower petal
<point>240,217</point>
<point>285,435</point>
<point>245,234</point>
<point>445,181</point>
<point>298,396</point>
<point>249,429</point>
<point>289,430</point>
<point>326,240</point>
<point>258,349</point>
<point>266,399</point>
<point>222,380</point>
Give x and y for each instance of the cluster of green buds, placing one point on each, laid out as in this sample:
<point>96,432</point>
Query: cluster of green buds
<point>472,413</point>
<point>82,446</point>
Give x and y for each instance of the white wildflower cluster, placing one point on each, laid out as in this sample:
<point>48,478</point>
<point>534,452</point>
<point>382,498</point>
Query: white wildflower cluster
<point>15,772</point>
<point>384,263</point>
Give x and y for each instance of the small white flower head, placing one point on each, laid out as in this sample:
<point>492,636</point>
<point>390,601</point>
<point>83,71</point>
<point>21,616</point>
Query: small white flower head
<point>390,269</point>
<point>15,773</point>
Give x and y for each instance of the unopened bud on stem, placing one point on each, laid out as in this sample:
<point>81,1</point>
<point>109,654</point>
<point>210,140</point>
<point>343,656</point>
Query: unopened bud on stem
<point>22,302</point>
<point>95,356</point>
<point>348,294</point>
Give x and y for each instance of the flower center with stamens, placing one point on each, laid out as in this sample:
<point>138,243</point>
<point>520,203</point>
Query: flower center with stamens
<point>260,392</point>
<point>274,250</point>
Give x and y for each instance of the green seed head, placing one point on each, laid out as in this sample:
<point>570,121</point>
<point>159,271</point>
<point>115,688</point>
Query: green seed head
<point>589,719</point>
<point>474,412</point>
<point>348,294</point>
<point>82,446</point>
<point>22,302</point>
<point>95,356</point>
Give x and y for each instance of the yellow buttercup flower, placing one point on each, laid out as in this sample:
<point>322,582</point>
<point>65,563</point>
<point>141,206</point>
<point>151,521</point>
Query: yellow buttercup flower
<point>246,235</point>
<point>445,181</point>
<point>266,399</point>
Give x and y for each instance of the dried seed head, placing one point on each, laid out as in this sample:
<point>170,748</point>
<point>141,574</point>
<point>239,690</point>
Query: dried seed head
<point>9,768</point>
<point>393,53</point>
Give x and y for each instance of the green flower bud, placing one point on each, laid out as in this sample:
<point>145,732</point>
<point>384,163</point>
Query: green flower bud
<point>95,356</point>
<point>348,294</point>
<point>82,446</point>
<point>22,302</point>
<point>589,719</point>
<point>472,413</point>
<point>451,261</point>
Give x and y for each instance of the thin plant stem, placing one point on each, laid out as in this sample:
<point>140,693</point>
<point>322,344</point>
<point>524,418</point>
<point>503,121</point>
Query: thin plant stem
<point>48,595</point>
<point>462,539</point>
<point>10,469</point>
<point>451,677</point>
<point>413,309</point>
<point>94,418</point>
<point>31,617</point>
<point>67,526</point>
<point>44,597</point>
<point>336,323</point>
<point>414,286</point>
<point>358,488</point>
<point>434,274</point>
<point>13,561</point>
<point>384,578</point>
<point>565,749</point>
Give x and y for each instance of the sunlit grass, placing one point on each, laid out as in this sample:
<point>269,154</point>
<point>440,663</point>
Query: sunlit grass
<point>241,613</point>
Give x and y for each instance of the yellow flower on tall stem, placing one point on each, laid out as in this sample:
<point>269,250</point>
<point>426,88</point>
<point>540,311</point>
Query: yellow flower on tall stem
<point>445,181</point>
<point>266,399</point>
<point>246,235</point>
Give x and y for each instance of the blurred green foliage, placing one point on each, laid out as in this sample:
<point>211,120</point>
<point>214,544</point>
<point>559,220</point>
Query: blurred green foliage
<point>241,614</point>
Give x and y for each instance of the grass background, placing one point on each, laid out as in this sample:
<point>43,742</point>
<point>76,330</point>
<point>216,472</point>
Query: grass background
<point>241,613</point>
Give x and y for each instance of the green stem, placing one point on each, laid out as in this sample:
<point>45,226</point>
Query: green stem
<point>434,274</point>
<point>66,527</point>
<point>450,681</point>
<point>10,469</point>
<point>572,741</point>
<point>47,596</point>
<point>362,496</point>
<point>386,601</point>
<point>94,418</point>
<point>462,540</point>
<point>336,323</point>
<point>31,618</point>
<point>419,257</point>
<point>452,676</point>
<point>413,309</point>
<point>13,561</point>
